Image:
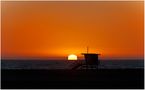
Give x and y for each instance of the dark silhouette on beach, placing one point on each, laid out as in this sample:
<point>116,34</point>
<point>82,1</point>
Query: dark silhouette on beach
<point>91,61</point>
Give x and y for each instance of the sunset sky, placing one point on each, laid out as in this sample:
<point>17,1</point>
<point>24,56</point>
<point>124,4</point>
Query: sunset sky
<point>57,29</point>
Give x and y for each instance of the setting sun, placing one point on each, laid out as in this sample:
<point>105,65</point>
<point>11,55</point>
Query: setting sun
<point>72,57</point>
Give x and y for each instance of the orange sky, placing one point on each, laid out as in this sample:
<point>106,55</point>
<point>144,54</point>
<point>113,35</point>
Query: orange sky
<point>57,29</point>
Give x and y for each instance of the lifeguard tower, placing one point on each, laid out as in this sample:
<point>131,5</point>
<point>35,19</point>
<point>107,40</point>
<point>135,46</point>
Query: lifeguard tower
<point>91,61</point>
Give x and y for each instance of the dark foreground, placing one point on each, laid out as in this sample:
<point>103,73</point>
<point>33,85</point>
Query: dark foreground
<point>73,79</point>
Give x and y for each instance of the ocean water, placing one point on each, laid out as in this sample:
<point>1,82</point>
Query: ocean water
<point>65,64</point>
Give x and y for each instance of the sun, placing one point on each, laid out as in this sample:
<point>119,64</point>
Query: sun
<point>72,57</point>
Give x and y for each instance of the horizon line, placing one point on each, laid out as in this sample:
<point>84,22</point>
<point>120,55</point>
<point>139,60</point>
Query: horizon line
<point>72,0</point>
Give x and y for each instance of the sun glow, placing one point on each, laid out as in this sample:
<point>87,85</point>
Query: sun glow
<point>72,57</point>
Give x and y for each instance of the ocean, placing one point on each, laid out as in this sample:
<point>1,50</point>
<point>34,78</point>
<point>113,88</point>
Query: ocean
<point>65,64</point>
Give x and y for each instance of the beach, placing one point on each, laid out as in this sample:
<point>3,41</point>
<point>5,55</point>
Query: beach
<point>58,74</point>
<point>73,79</point>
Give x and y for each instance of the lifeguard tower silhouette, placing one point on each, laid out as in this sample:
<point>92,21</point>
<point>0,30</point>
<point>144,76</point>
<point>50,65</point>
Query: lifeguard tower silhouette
<point>91,61</point>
